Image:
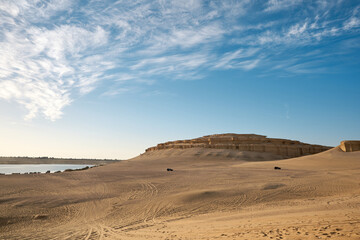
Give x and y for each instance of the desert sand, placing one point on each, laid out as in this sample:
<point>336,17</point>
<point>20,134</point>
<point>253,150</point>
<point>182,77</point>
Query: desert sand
<point>211,194</point>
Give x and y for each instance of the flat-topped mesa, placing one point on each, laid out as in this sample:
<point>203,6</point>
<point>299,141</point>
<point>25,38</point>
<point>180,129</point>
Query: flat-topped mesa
<point>245,142</point>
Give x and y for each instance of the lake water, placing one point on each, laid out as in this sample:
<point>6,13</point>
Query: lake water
<point>27,168</point>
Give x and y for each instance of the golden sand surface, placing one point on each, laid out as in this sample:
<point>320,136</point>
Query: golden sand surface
<point>211,194</point>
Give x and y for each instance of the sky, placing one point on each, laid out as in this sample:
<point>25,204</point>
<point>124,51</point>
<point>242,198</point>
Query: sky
<point>108,79</point>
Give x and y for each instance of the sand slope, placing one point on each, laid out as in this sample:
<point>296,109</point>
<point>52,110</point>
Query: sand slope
<point>211,194</point>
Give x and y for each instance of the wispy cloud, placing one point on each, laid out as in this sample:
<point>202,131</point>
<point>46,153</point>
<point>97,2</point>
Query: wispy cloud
<point>354,20</point>
<point>276,5</point>
<point>52,52</point>
<point>40,68</point>
<point>238,59</point>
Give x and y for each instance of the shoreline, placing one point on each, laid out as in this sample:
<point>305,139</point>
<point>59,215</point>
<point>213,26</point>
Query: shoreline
<point>41,160</point>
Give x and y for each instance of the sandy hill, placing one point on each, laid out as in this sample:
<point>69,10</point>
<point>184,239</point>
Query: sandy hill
<point>211,194</point>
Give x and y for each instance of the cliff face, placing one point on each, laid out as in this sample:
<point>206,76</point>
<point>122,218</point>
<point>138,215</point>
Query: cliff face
<point>245,142</point>
<point>350,146</point>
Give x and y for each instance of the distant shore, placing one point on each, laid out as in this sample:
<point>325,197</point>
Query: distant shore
<point>50,160</point>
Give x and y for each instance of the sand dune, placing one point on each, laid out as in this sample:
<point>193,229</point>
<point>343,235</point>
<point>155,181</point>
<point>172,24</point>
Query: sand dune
<point>211,194</point>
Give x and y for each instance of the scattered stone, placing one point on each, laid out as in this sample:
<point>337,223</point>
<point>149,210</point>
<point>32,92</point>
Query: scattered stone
<point>40,217</point>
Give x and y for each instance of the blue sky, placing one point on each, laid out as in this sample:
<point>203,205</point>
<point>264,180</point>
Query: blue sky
<point>107,79</point>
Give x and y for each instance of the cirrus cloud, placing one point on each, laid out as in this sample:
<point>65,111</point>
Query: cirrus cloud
<point>52,52</point>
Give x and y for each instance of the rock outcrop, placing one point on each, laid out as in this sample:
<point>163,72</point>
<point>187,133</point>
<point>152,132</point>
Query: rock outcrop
<point>245,142</point>
<point>350,146</point>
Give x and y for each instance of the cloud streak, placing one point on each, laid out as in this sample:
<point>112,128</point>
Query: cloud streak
<point>53,52</point>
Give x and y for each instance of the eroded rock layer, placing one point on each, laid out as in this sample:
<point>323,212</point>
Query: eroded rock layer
<point>245,142</point>
<point>350,146</point>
